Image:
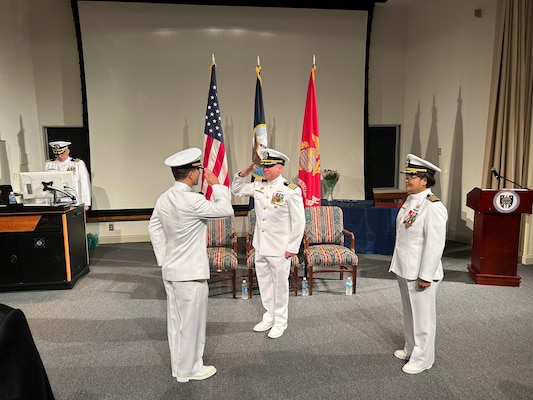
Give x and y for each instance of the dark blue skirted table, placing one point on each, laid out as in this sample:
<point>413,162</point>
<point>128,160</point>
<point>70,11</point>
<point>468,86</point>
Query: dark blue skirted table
<point>374,227</point>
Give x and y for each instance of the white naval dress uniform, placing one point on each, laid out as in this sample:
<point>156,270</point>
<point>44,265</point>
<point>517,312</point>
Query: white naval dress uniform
<point>178,232</point>
<point>82,182</point>
<point>280,223</point>
<point>420,240</point>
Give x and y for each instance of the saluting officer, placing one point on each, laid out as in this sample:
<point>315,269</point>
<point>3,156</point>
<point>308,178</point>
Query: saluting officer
<point>416,261</point>
<point>277,237</point>
<point>63,162</point>
<point>178,232</point>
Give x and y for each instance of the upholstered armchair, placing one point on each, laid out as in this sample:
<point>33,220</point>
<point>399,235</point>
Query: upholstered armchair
<point>324,249</point>
<point>222,249</point>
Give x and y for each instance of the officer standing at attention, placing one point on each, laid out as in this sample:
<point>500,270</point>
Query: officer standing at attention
<point>63,162</point>
<point>278,234</point>
<point>416,261</point>
<point>178,231</point>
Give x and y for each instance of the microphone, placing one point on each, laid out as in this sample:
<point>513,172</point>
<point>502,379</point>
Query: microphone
<point>49,186</point>
<point>498,177</point>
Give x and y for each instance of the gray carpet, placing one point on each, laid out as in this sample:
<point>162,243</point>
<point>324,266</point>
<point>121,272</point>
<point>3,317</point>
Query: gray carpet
<point>106,337</point>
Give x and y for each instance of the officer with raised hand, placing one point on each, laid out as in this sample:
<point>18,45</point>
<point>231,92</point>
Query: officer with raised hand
<point>178,232</point>
<point>278,234</point>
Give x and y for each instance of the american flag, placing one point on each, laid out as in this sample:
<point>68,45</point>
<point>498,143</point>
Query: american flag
<point>309,165</point>
<point>214,149</point>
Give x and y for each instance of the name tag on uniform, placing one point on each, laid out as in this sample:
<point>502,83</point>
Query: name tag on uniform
<point>277,198</point>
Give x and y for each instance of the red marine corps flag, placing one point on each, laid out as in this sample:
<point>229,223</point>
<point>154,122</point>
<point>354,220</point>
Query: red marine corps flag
<point>309,165</point>
<point>214,149</point>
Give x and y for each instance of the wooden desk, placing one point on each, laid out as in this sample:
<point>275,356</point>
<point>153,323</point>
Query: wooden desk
<point>389,197</point>
<point>42,247</point>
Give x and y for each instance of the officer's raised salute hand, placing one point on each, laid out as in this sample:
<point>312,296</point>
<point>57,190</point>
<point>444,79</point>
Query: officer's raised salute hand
<point>210,177</point>
<point>247,171</point>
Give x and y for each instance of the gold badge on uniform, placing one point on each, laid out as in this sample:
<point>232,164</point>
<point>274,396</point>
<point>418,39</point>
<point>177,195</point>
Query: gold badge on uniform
<point>277,198</point>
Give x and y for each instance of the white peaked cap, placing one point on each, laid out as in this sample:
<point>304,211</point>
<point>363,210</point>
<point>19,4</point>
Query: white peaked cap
<point>188,158</point>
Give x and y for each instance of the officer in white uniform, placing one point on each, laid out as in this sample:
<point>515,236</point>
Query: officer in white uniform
<point>63,162</point>
<point>178,232</point>
<point>278,234</point>
<point>416,261</point>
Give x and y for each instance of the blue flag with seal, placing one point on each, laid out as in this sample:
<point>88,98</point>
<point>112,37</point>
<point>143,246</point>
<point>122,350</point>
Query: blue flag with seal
<point>260,130</point>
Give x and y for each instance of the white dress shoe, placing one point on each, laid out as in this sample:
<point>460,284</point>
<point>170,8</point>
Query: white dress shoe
<point>409,369</point>
<point>401,354</point>
<point>275,332</point>
<point>263,326</point>
<point>204,373</point>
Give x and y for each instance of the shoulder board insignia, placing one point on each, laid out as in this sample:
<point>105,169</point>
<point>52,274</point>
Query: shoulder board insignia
<point>49,160</point>
<point>433,198</point>
<point>76,159</point>
<point>290,185</point>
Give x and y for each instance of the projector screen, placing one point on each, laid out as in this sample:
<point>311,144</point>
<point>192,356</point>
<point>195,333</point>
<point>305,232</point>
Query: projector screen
<point>147,80</point>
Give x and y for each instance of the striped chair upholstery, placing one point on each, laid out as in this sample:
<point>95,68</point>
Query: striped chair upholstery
<point>250,256</point>
<point>222,249</point>
<point>324,249</point>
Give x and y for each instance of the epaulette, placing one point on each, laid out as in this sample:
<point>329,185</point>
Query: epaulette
<point>75,159</point>
<point>433,198</point>
<point>49,160</point>
<point>290,185</point>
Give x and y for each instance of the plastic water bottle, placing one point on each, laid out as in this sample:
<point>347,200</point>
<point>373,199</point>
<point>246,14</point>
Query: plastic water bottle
<point>244,290</point>
<point>349,286</point>
<point>12,198</point>
<point>305,287</point>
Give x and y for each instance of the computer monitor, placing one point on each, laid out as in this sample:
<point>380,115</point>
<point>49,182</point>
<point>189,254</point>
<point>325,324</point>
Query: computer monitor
<point>48,187</point>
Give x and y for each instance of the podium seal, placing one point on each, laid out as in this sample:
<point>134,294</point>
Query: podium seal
<point>506,201</point>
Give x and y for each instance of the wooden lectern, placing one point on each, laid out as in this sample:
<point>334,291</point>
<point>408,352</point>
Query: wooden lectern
<point>42,247</point>
<point>496,234</point>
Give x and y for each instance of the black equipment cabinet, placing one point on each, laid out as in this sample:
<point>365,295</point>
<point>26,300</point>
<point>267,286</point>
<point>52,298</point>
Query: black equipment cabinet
<point>42,247</point>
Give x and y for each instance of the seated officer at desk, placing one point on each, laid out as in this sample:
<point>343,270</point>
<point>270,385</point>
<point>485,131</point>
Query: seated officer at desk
<point>63,162</point>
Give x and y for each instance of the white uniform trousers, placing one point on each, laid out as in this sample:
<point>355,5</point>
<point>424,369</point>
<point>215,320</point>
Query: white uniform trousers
<point>420,321</point>
<point>186,324</point>
<point>273,279</point>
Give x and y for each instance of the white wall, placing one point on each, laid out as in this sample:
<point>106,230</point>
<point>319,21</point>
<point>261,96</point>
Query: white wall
<point>428,51</point>
<point>386,83</point>
<point>18,107</point>
<point>433,59</point>
<point>39,80</point>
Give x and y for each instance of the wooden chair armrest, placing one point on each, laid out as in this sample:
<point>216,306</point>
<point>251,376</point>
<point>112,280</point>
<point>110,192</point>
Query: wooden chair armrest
<point>249,246</point>
<point>306,241</point>
<point>235,242</point>
<point>352,238</point>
